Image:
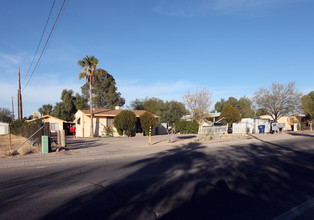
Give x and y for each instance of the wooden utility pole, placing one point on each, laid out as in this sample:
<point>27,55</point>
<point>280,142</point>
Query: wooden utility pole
<point>12,110</point>
<point>19,100</point>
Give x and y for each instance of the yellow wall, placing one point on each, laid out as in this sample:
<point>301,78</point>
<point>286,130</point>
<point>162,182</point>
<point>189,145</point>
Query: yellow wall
<point>57,121</point>
<point>83,129</point>
<point>288,120</point>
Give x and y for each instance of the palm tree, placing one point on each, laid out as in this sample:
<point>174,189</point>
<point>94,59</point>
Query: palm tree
<point>89,65</point>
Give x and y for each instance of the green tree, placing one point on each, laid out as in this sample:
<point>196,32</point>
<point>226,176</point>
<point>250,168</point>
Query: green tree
<point>171,112</point>
<point>89,65</point>
<point>137,104</point>
<point>244,104</point>
<point>125,121</point>
<point>46,109</point>
<point>261,111</point>
<point>80,102</point>
<point>222,103</point>
<point>153,105</point>
<point>104,91</point>
<point>308,104</point>
<point>65,109</point>
<point>230,114</point>
<point>148,121</point>
<point>245,107</point>
<point>278,100</point>
<point>5,115</point>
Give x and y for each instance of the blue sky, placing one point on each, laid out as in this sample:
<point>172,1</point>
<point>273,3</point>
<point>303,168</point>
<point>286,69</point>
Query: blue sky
<point>158,48</point>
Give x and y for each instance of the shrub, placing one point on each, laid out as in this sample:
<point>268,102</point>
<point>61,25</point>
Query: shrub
<point>125,121</point>
<point>231,114</point>
<point>108,130</point>
<point>148,120</point>
<point>187,127</point>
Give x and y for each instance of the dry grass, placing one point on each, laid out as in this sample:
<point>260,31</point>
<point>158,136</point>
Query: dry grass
<point>5,149</point>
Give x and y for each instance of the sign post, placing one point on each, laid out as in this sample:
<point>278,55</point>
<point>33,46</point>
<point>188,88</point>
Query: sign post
<point>149,135</point>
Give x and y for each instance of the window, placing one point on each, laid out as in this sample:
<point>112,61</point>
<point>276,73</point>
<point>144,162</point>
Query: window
<point>79,121</point>
<point>54,126</point>
<point>110,121</point>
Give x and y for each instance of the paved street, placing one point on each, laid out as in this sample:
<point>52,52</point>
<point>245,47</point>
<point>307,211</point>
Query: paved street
<point>256,177</point>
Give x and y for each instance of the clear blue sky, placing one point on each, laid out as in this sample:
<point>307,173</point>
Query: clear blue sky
<point>158,48</point>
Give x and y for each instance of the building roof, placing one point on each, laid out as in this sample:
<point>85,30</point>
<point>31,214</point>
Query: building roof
<point>112,112</point>
<point>45,117</point>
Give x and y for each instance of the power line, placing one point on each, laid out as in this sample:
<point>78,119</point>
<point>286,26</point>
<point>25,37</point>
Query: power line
<point>44,48</point>
<point>42,35</point>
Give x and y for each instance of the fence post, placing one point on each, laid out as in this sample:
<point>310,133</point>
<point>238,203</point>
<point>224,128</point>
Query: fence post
<point>62,138</point>
<point>10,137</point>
<point>59,137</point>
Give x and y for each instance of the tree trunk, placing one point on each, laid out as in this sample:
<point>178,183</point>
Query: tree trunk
<point>91,109</point>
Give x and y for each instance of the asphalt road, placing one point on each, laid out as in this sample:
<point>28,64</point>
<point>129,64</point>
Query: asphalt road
<point>258,178</point>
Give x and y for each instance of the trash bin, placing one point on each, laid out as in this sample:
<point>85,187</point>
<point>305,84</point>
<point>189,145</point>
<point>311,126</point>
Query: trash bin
<point>261,128</point>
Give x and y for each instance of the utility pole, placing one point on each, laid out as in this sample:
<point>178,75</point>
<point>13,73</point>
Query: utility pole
<point>12,110</point>
<point>19,100</point>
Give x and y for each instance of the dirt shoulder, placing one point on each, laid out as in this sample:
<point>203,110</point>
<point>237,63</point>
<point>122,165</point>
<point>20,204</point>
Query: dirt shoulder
<point>86,149</point>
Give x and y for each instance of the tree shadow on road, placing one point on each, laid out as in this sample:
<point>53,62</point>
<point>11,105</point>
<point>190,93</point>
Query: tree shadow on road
<point>77,143</point>
<point>256,181</point>
<point>308,134</point>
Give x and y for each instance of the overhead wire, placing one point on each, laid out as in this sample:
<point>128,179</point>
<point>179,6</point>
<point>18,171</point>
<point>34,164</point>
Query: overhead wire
<point>39,43</point>
<point>45,46</point>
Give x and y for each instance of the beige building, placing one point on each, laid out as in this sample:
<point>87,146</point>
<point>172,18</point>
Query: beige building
<point>291,122</point>
<point>101,118</point>
<point>55,123</point>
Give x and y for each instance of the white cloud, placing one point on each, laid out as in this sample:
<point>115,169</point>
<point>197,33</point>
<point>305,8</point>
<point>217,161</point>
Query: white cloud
<point>9,63</point>
<point>197,7</point>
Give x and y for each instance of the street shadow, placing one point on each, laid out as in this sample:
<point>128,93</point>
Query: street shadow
<point>301,134</point>
<point>77,143</point>
<point>255,181</point>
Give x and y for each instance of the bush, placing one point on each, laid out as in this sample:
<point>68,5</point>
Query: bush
<point>25,129</point>
<point>125,121</point>
<point>187,127</point>
<point>231,114</point>
<point>148,121</point>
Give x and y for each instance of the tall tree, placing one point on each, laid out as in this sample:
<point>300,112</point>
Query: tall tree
<point>104,91</point>
<point>89,65</point>
<point>5,115</point>
<point>244,104</point>
<point>261,111</point>
<point>153,105</point>
<point>222,103</point>
<point>137,104</point>
<point>308,104</point>
<point>46,109</point>
<point>245,107</point>
<point>65,109</point>
<point>80,102</point>
<point>198,103</point>
<point>171,112</point>
<point>279,99</point>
